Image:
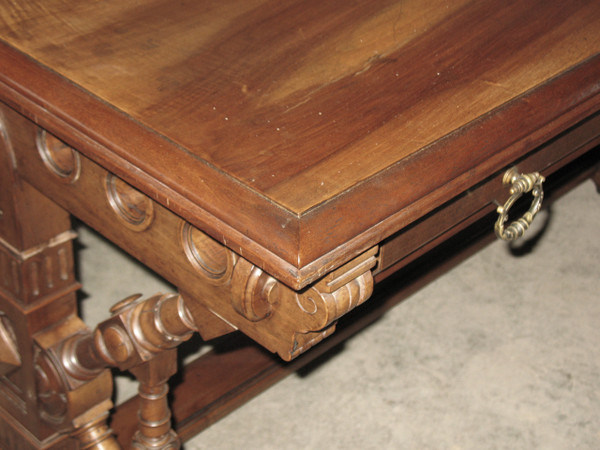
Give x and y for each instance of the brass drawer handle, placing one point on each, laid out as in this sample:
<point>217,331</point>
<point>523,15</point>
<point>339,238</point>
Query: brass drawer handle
<point>520,184</point>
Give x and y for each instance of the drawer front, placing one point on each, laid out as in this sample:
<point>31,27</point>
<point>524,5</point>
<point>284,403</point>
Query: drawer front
<point>411,242</point>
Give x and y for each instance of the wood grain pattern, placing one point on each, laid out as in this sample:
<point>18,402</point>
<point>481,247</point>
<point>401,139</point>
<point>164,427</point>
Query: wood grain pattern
<point>252,152</point>
<point>265,114</point>
<point>221,83</point>
<point>219,285</point>
<point>237,374</point>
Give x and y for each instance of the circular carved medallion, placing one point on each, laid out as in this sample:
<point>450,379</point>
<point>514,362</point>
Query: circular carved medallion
<point>62,160</point>
<point>135,209</point>
<point>209,257</point>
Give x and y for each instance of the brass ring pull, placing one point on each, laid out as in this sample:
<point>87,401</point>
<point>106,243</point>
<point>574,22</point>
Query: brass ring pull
<point>520,184</point>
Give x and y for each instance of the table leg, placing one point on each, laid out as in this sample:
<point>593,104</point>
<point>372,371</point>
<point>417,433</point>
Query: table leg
<point>38,309</point>
<point>141,336</point>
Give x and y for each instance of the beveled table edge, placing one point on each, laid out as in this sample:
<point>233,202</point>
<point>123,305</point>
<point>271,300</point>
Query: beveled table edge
<point>299,249</point>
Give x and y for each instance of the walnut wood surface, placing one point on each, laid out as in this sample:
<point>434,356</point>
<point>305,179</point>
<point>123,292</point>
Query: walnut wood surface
<point>238,370</point>
<point>323,143</point>
<point>266,123</point>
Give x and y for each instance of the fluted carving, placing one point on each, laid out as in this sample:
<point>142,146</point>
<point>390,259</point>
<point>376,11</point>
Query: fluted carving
<point>283,320</point>
<point>222,289</point>
<point>38,272</point>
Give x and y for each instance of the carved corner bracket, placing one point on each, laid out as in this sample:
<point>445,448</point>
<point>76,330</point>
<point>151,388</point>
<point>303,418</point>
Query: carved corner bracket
<point>301,319</point>
<point>283,320</point>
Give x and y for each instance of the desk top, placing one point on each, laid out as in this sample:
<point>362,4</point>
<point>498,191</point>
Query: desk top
<point>300,133</point>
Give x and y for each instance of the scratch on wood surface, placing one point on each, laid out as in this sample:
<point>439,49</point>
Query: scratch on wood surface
<point>498,85</point>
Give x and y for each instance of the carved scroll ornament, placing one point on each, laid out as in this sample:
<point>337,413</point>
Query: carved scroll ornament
<point>292,320</point>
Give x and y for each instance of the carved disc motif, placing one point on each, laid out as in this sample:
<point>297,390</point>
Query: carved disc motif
<point>134,208</point>
<point>210,258</point>
<point>51,389</point>
<point>62,160</point>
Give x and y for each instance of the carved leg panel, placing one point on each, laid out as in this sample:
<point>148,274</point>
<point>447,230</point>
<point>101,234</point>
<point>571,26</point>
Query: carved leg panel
<point>37,311</point>
<point>55,388</point>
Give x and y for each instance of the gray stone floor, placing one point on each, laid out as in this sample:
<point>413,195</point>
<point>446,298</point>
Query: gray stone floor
<point>500,353</point>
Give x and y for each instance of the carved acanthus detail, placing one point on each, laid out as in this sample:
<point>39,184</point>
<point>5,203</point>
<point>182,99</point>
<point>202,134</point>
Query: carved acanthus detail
<point>279,318</point>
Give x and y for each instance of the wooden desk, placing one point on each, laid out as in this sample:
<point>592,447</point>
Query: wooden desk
<point>272,160</point>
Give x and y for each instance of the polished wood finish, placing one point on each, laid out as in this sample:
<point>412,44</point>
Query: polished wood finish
<point>483,198</point>
<point>238,369</point>
<point>272,160</point>
<point>231,289</point>
<point>281,106</point>
<point>140,336</point>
